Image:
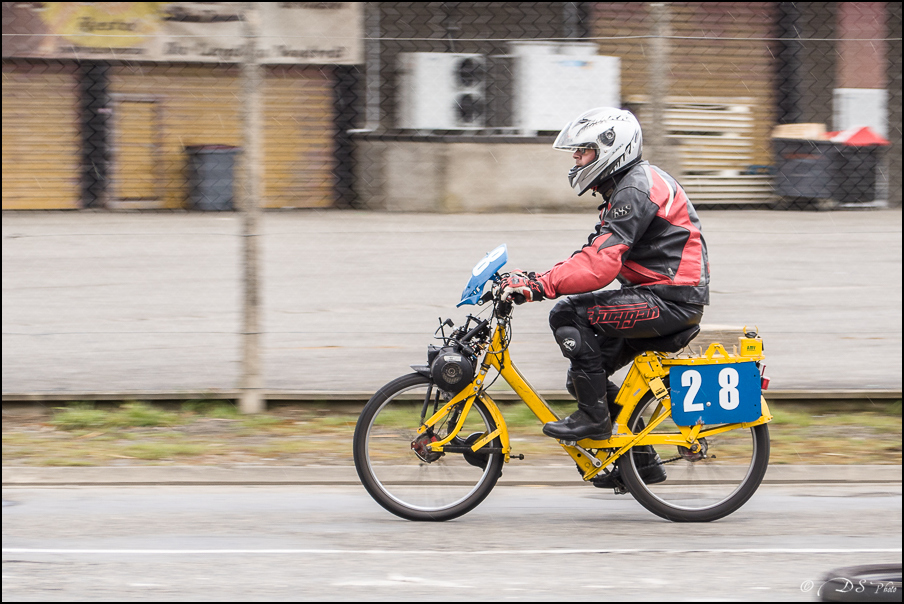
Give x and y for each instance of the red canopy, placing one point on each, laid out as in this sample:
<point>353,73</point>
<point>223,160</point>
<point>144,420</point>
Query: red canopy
<point>857,137</point>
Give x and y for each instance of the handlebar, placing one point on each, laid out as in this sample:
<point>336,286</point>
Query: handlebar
<point>473,332</point>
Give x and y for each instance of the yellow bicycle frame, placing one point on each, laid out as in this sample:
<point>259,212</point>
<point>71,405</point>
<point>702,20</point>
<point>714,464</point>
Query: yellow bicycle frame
<point>645,374</point>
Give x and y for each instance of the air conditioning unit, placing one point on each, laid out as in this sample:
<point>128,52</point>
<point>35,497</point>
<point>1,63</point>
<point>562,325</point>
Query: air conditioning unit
<point>441,91</point>
<point>556,82</point>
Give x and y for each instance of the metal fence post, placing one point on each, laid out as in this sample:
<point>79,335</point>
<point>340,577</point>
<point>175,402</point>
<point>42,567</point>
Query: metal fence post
<point>655,131</point>
<point>252,399</point>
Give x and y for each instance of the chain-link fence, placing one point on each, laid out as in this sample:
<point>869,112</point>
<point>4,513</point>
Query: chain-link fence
<point>748,104</point>
<point>447,106</point>
<point>437,107</point>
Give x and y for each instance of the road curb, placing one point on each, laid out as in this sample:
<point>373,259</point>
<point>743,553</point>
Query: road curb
<point>346,475</point>
<point>18,399</point>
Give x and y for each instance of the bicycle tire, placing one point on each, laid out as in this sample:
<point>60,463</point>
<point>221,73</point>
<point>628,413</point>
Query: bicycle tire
<point>405,484</point>
<point>672,501</point>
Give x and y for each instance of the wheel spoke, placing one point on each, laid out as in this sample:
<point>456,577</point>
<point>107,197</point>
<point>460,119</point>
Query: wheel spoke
<point>421,483</point>
<point>698,485</point>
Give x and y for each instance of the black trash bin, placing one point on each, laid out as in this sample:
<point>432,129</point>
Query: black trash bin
<point>825,173</point>
<point>806,170</point>
<point>210,177</point>
<point>856,182</point>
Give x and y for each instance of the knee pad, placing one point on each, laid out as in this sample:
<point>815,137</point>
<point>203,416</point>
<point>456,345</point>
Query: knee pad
<point>569,340</point>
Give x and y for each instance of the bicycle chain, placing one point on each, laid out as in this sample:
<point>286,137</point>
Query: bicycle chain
<point>652,465</point>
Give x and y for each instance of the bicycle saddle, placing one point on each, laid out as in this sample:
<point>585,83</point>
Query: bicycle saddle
<point>671,343</point>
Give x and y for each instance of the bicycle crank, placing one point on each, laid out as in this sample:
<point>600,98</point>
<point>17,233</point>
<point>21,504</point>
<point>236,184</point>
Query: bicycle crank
<point>593,459</point>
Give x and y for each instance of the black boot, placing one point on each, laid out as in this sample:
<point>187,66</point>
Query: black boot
<point>612,390</point>
<point>651,470</point>
<point>591,420</point>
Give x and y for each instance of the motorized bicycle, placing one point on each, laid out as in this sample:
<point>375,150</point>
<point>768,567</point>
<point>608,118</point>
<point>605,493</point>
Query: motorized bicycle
<point>432,444</point>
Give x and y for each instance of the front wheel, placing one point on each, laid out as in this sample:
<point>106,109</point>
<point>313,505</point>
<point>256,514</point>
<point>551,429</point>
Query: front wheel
<point>401,473</point>
<point>694,486</point>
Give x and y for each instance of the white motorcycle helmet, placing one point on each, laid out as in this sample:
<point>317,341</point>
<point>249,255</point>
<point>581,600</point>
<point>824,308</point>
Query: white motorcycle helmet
<point>613,133</point>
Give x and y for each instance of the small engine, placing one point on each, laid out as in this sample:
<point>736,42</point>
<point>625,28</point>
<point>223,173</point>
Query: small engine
<point>450,370</point>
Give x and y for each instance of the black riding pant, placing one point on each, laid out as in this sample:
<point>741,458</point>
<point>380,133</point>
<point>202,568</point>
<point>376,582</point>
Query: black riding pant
<point>595,330</point>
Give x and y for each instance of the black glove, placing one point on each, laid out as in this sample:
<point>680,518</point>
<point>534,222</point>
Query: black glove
<point>521,287</point>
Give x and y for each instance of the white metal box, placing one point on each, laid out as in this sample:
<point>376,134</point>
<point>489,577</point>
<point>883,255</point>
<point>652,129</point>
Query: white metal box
<point>441,91</point>
<point>556,82</point>
<point>856,107</point>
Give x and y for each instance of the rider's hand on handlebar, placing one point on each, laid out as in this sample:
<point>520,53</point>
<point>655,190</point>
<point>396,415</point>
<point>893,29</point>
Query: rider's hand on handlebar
<point>521,287</point>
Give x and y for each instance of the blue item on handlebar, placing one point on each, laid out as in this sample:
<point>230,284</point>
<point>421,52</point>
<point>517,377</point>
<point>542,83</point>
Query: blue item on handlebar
<point>482,273</point>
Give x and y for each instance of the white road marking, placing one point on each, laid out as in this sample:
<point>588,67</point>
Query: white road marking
<point>397,580</point>
<point>488,552</point>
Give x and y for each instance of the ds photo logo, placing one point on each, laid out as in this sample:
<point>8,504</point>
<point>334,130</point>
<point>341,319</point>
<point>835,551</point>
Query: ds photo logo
<point>881,583</point>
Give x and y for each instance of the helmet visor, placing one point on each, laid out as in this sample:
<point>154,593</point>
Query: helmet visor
<point>572,137</point>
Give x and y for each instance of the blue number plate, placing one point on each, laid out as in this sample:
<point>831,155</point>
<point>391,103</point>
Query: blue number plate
<point>717,394</point>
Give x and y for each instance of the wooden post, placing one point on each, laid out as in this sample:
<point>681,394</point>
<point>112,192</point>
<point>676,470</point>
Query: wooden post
<point>252,396</point>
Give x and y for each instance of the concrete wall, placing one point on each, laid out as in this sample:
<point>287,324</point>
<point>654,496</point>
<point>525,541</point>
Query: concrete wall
<point>446,176</point>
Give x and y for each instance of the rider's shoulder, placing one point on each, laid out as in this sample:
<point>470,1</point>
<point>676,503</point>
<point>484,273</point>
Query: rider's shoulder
<point>634,178</point>
<point>634,182</point>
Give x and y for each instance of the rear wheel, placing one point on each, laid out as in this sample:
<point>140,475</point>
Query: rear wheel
<point>399,470</point>
<point>699,486</point>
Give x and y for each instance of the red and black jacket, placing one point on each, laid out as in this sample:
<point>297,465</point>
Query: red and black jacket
<point>648,236</point>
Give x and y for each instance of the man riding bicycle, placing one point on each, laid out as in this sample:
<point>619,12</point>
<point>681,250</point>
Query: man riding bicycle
<point>648,238</point>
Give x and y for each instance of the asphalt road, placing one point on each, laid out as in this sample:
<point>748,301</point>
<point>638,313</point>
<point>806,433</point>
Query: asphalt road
<point>523,543</point>
<point>107,302</point>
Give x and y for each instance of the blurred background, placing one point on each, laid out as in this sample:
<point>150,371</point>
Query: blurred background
<point>287,195</point>
<point>273,203</point>
<point>446,106</point>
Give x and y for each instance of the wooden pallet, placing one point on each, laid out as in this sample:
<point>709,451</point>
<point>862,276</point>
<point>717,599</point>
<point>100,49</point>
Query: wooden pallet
<point>729,189</point>
<point>714,137</point>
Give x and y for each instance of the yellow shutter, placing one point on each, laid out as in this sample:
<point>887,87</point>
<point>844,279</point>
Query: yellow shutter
<point>135,154</point>
<point>298,138</point>
<point>40,136</point>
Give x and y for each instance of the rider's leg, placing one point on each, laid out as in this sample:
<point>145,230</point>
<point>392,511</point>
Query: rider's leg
<point>591,420</point>
<point>671,318</point>
<point>611,392</point>
<point>589,382</point>
<point>590,329</point>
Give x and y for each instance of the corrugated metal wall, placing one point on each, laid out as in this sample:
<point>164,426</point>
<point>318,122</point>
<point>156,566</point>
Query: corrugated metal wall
<point>40,136</point>
<point>136,153</point>
<point>744,67</point>
<point>719,106</point>
<point>741,69</point>
<point>298,137</point>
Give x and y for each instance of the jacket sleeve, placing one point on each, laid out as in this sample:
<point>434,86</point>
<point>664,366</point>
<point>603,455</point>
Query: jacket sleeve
<point>598,263</point>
